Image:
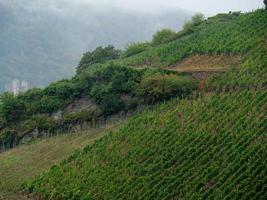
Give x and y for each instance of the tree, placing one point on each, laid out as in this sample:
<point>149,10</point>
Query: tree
<point>198,18</point>
<point>195,21</point>
<point>265,3</point>
<point>11,108</point>
<point>99,55</point>
<point>163,36</point>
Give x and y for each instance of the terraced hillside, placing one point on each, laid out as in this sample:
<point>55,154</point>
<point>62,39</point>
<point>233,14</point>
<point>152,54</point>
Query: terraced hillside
<point>212,145</point>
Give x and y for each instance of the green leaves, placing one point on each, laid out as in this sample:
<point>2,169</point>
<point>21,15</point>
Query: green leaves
<point>99,55</point>
<point>11,107</point>
<point>163,36</point>
<point>188,149</point>
<point>163,87</point>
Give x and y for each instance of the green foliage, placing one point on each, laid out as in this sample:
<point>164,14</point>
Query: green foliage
<point>40,122</point>
<point>136,48</point>
<point>111,103</point>
<point>7,138</point>
<point>11,108</point>
<point>223,34</point>
<point>196,20</point>
<point>2,122</point>
<point>112,83</point>
<point>163,36</point>
<point>80,116</point>
<point>158,88</point>
<point>99,55</point>
<point>186,149</point>
<point>208,147</point>
<point>62,89</point>
<point>111,87</point>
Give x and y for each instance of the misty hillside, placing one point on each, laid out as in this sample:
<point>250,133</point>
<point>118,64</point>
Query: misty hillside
<point>42,41</point>
<point>201,136</point>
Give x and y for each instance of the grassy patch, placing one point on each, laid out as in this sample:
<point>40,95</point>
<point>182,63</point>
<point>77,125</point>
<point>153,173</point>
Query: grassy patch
<point>25,162</point>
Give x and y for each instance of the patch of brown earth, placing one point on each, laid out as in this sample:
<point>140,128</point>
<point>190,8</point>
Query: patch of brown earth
<point>207,63</point>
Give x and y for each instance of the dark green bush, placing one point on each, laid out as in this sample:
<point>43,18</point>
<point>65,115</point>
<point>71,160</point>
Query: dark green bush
<point>113,81</point>
<point>48,104</point>
<point>8,137</point>
<point>163,36</point>
<point>11,108</point>
<point>163,87</point>
<point>196,20</point>
<point>63,89</point>
<point>99,55</point>
<point>111,103</point>
<point>2,123</point>
<point>42,123</point>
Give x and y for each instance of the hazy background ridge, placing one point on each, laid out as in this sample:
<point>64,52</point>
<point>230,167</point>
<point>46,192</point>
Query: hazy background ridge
<point>42,40</point>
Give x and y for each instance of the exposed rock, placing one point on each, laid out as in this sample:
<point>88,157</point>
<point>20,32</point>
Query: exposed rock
<point>30,136</point>
<point>57,115</point>
<point>81,104</point>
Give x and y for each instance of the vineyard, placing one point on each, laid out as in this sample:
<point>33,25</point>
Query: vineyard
<point>224,34</point>
<point>212,148</point>
<point>207,143</point>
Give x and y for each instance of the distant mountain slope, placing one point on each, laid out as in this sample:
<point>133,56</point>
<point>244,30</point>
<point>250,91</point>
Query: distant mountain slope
<point>42,41</point>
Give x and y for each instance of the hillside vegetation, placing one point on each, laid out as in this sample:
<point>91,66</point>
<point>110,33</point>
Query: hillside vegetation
<point>210,145</point>
<point>107,90</point>
<point>211,148</point>
<point>25,162</point>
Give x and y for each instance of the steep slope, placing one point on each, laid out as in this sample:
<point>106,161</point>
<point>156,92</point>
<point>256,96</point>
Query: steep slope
<point>25,162</point>
<point>210,146</point>
<point>213,147</point>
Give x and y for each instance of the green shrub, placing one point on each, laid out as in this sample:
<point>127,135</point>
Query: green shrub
<point>11,108</point>
<point>196,20</point>
<point>112,82</point>
<point>111,103</point>
<point>64,89</point>
<point>8,137</point>
<point>82,83</point>
<point>99,55</point>
<point>99,91</point>
<point>135,48</point>
<point>2,122</point>
<point>48,104</point>
<point>163,36</point>
<point>163,87</point>
<point>40,122</point>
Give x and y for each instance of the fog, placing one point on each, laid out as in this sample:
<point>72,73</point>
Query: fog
<point>208,7</point>
<point>43,40</point>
